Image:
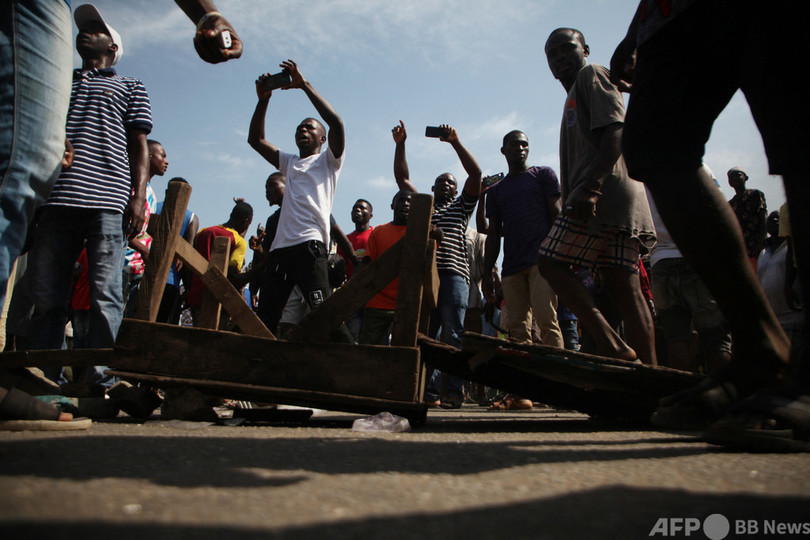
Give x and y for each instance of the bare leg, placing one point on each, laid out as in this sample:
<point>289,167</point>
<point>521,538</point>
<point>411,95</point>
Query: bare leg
<point>760,422</point>
<point>625,289</point>
<point>573,294</point>
<point>708,235</point>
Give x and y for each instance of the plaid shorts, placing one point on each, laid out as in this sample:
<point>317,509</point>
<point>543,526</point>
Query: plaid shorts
<point>570,242</point>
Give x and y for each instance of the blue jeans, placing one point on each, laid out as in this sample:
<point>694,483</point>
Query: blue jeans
<point>57,244</point>
<point>36,57</point>
<point>454,291</point>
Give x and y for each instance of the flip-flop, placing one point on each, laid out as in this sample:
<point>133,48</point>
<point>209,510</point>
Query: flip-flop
<point>776,420</point>
<point>512,403</point>
<point>21,412</point>
<point>45,425</point>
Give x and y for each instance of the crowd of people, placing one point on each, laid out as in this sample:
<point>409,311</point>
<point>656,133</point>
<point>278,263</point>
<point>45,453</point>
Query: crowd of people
<point>629,252</point>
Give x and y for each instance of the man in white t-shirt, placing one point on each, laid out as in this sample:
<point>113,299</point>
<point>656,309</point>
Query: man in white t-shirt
<point>298,255</point>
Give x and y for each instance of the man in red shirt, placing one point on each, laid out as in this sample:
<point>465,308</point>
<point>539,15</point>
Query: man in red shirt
<point>379,312</point>
<point>235,229</point>
<point>362,212</point>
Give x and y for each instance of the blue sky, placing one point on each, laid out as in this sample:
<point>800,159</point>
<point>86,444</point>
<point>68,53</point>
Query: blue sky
<point>475,64</point>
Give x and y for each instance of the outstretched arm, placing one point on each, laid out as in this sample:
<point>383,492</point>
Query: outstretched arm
<point>401,173</point>
<point>481,221</point>
<point>472,187</point>
<point>210,26</point>
<point>256,140</point>
<point>336,135</point>
<point>343,242</point>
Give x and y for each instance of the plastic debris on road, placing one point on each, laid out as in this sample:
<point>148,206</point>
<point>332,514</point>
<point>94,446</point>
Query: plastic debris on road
<point>385,421</point>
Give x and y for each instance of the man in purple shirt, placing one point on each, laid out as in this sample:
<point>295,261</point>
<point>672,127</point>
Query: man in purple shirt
<point>521,208</point>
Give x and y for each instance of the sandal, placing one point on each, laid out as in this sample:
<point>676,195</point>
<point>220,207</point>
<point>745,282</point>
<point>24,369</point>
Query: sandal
<point>22,412</point>
<point>512,403</point>
<point>771,421</point>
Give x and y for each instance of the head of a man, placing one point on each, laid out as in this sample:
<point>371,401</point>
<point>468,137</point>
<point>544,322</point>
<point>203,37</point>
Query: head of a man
<point>773,223</point>
<point>737,177</point>
<point>310,135</point>
<point>444,188</point>
<point>274,188</point>
<point>401,205</point>
<point>158,162</point>
<point>362,212</point>
<point>241,217</point>
<point>97,41</point>
<point>567,53</point>
<point>515,149</point>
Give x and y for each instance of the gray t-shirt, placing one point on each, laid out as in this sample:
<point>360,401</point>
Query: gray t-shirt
<point>594,103</point>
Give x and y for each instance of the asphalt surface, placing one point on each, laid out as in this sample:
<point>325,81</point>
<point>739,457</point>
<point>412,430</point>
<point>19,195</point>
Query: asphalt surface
<point>469,473</point>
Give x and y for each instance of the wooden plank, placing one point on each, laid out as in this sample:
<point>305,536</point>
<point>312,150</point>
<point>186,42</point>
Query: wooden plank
<point>431,285</point>
<point>635,401</point>
<point>367,370</point>
<point>231,300</point>
<point>209,306</point>
<point>191,257</point>
<point>56,358</point>
<point>430,294</point>
<point>165,231</point>
<point>291,396</point>
<point>412,272</point>
<point>353,295</point>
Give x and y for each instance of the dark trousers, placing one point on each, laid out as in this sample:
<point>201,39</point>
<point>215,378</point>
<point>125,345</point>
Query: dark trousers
<point>304,265</point>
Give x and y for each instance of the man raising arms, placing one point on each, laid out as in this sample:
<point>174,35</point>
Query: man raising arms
<point>450,214</point>
<point>298,254</point>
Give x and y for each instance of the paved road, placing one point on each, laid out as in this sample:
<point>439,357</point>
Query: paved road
<point>469,473</point>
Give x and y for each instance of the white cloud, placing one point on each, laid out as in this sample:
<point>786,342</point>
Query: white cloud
<point>380,182</point>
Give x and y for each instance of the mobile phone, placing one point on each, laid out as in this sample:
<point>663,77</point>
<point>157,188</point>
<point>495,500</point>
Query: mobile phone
<point>492,179</point>
<point>276,80</point>
<point>225,40</point>
<point>435,131</point>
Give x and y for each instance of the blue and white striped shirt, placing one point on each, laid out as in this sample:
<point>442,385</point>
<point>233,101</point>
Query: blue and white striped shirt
<point>452,218</point>
<point>103,107</point>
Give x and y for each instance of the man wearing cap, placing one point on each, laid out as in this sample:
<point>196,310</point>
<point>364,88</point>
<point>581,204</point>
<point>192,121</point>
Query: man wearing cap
<point>751,210</point>
<point>101,197</point>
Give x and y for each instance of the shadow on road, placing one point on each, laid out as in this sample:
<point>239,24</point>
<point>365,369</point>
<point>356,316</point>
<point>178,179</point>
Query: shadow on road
<point>611,512</point>
<point>189,461</point>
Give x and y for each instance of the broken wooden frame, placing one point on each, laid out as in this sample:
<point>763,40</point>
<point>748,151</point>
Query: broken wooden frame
<point>254,365</point>
<point>311,371</point>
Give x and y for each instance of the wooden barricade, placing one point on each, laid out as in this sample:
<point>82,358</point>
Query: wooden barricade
<point>254,365</point>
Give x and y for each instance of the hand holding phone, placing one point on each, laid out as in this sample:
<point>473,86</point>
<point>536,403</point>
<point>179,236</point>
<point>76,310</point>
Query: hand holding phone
<point>277,80</point>
<point>493,179</point>
<point>436,132</point>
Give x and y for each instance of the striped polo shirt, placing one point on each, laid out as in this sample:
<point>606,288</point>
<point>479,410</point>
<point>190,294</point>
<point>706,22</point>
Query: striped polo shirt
<point>452,218</point>
<point>103,106</point>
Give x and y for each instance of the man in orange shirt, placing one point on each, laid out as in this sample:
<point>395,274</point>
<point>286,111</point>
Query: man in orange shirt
<point>379,312</point>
